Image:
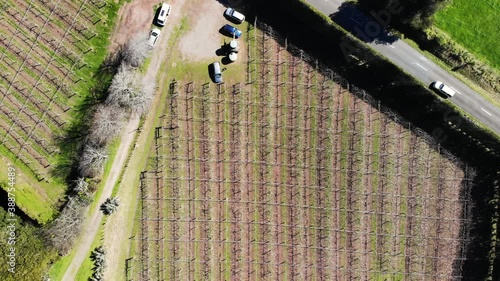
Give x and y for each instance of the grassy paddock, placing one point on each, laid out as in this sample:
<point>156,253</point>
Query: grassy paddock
<point>475,25</point>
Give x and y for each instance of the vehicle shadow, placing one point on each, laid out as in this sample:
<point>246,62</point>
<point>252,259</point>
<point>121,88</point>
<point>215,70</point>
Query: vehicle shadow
<point>211,73</point>
<point>363,26</point>
<point>157,13</point>
<point>225,60</point>
<point>431,87</point>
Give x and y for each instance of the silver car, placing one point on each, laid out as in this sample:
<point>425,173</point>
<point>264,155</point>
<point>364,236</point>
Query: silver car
<point>153,37</point>
<point>234,15</point>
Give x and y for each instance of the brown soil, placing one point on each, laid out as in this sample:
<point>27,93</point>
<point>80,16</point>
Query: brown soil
<point>135,18</point>
<point>203,37</point>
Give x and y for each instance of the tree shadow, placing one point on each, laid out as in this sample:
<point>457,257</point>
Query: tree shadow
<point>70,142</point>
<point>363,26</point>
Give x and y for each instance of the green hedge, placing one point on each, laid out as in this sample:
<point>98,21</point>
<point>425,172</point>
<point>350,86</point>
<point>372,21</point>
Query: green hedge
<point>30,256</point>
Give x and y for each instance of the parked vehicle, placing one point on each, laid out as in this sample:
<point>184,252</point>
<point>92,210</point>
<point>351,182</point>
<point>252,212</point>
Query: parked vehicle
<point>443,89</point>
<point>232,31</point>
<point>153,37</point>
<point>234,15</point>
<point>217,73</point>
<point>163,14</point>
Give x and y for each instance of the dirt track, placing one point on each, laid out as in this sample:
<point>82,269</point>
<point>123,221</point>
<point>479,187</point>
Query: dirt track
<point>134,18</point>
<point>92,224</point>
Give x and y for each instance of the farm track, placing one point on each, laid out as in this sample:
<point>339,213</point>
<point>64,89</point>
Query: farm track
<point>293,177</point>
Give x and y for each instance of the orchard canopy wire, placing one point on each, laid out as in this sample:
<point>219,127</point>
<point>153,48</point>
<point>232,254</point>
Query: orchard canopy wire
<point>296,175</point>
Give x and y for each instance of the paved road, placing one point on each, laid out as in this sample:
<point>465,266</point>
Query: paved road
<point>409,59</point>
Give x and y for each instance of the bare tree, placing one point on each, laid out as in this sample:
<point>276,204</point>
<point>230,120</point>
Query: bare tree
<point>81,187</point>
<point>126,91</point>
<point>106,124</point>
<point>125,85</point>
<point>92,160</point>
<point>142,103</point>
<point>136,50</point>
<point>63,230</point>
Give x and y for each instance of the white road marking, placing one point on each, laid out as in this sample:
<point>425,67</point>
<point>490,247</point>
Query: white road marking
<point>422,67</point>
<point>486,111</point>
<point>391,46</point>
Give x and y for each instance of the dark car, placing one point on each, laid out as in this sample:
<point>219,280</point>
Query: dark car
<point>232,31</point>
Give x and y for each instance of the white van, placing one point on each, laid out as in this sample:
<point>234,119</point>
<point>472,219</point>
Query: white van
<point>163,14</point>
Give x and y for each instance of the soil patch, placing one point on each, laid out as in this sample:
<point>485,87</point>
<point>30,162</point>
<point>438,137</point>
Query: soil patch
<point>203,38</point>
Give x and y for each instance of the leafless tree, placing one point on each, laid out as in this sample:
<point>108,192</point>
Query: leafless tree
<point>63,230</point>
<point>92,160</point>
<point>126,91</point>
<point>142,103</point>
<point>81,186</point>
<point>124,84</point>
<point>136,50</point>
<point>106,124</point>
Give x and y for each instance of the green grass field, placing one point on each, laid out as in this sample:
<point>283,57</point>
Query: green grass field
<point>474,25</point>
